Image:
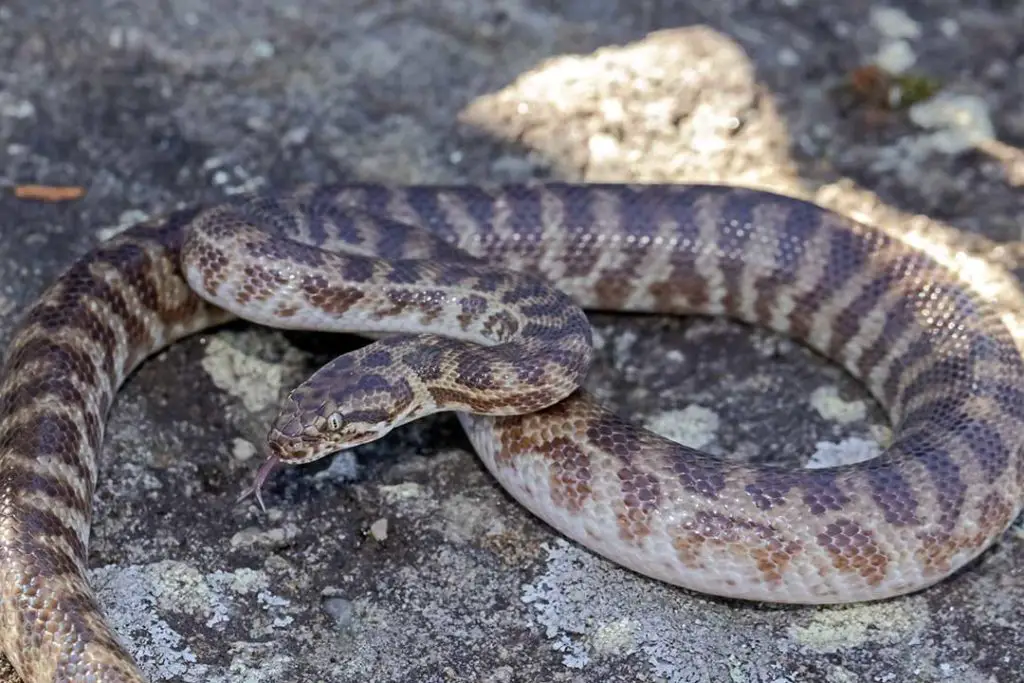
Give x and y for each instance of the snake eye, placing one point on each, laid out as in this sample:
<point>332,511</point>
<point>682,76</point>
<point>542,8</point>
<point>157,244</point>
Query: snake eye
<point>334,422</point>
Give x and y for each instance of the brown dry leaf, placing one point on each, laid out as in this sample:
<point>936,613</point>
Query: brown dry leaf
<point>49,193</point>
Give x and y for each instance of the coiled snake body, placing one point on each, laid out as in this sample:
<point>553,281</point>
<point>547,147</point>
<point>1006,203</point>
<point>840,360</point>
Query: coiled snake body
<point>930,346</point>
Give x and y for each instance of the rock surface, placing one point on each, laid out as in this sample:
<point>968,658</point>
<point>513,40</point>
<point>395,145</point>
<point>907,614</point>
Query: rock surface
<point>405,561</point>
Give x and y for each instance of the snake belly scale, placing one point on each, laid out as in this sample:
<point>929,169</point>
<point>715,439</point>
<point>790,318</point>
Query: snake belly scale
<point>935,352</point>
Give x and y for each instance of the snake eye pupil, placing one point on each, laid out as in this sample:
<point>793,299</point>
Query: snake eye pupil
<point>334,422</point>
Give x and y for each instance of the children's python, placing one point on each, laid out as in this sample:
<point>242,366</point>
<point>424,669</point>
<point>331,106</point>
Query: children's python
<point>934,350</point>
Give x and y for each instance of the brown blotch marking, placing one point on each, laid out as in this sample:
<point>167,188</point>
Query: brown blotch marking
<point>16,476</point>
<point>212,264</point>
<point>518,435</point>
<point>801,317</point>
<point>67,308</point>
<point>77,605</point>
<point>472,308</point>
<point>45,427</point>
<point>939,548</point>
<point>60,362</point>
<point>641,494</point>
<point>525,402</point>
<point>376,357</point>
<point>135,326</point>
<point>515,440</point>
<point>184,308</point>
<point>854,550</point>
<point>1020,469</point>
<point>613,290</point>
<point>581,261</point>
<point>772,554</point>
<point>995,512</point>
<point>767,289</point>
<point>260,284</point>
<point>500,325</point>
<point>524,291</point>
<point>98,330</point>
<point>429,304</point>
<point>286,311</point>
<point>732,282</point>
<point>425,361</point>
<point>146,285</point>
<point>50,435</point>
<point>684,290</point>
<point>474,372</point>
<point>641,491</point>
<point>264,247</point>
<point>875,352</point>
<point>570,477</point>
<point>358,269</point>
<point>50,559</point>
<point>402,395</point>
<point>694,471</point>
<point>329,299</point>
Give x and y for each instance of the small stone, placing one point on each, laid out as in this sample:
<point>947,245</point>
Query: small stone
<point>896,57</point>
<point>339,610</point>
<point>379,530</point>
<point>894,23</point>
<point>242,449</point>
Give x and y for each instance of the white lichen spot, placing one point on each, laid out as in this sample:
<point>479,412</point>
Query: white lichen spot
<point>694,426</point>
<point>787,56</point>
<point>244,581</point>
<point>845,452</point>
<point>849,628</point>
<point>618,637</point>
<point>135,597</point>
<point>894,23</point>
<point>126,220</point>
<point>961,122</point>
<point>590,608</point>
<point>827,402</point>
<point>242,449</point>
<point>343,468</point>
<point>269,538</point>
<point>272,600</point>
<point>622,345</point>
<point>400,492</point>
<point>602,147</point>
<point>949,27</point>
<point>379,530</point>
<point>895,56</point>
<point>235,368</point>
<point>14,108</point>
<point>128,597</point>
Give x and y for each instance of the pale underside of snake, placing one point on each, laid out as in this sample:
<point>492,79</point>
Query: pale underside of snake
<point>930,346</point>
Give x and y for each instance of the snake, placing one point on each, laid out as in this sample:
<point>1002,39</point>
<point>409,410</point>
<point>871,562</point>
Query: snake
<point>475,299</point>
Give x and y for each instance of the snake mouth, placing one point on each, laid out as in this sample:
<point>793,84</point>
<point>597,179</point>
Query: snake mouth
<point>304,449</point>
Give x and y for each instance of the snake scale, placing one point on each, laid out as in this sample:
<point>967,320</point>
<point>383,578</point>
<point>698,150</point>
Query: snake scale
<point>431,271</point>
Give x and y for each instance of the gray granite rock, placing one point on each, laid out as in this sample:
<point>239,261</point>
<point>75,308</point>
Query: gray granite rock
<point>405,561</point>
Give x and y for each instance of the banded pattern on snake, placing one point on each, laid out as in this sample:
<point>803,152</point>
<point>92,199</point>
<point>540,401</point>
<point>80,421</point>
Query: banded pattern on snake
<point>927,344</point>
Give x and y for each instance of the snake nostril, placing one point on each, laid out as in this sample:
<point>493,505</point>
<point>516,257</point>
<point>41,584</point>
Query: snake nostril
<point>291,427</point>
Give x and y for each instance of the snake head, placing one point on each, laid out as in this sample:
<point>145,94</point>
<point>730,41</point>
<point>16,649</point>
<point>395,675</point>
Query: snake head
<point>300,435</point>
<point>347,403</point>
<point>354,399</point>
<point>309,428</point>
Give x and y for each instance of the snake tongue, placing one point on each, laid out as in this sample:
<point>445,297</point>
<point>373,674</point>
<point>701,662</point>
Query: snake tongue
<point>256,488</point>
